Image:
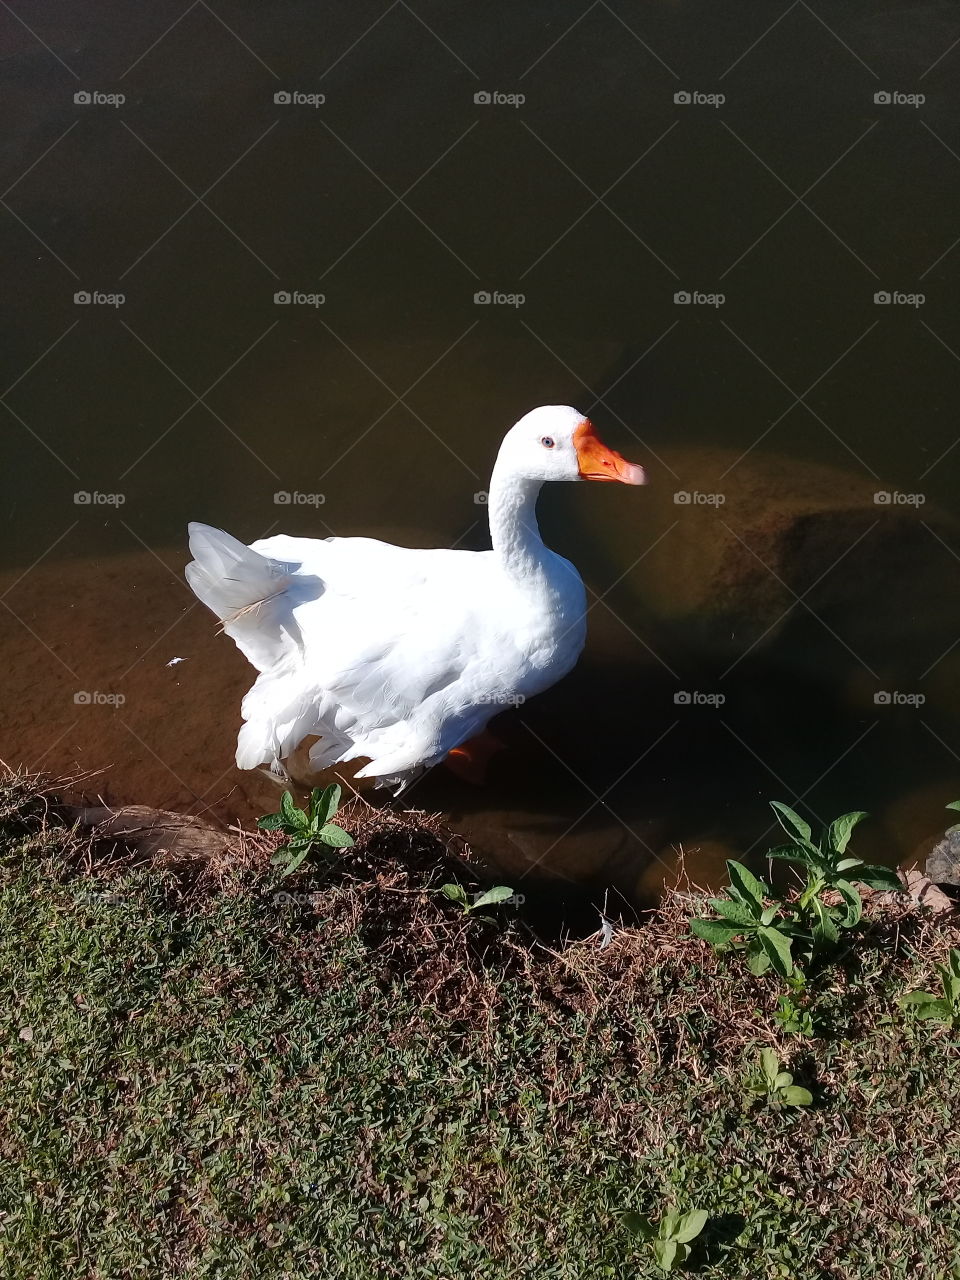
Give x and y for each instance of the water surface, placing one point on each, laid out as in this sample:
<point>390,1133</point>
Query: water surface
<point>797,600</point>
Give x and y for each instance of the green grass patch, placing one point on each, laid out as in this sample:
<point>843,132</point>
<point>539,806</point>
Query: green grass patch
<point>203,1078</point>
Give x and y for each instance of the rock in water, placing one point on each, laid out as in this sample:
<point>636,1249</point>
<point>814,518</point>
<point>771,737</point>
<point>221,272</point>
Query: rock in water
<point>943,864</point>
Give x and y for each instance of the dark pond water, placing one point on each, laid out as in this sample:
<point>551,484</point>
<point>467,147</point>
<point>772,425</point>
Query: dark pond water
<point>782,634</point>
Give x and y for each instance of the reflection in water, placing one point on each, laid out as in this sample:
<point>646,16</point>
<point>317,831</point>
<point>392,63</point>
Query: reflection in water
<point>781,585</point>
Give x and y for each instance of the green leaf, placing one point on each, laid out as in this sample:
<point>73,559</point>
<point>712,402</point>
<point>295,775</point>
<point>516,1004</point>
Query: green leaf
<point>335,836</point>
<point>746,883</point>
<point>954,804</point>
<point>758,962</point>
<point>942,1010</point>
<point>716,932</point>
<point>788,853</point>
<point>791,822</point>
<point>324,803</point>
<point>918,998</point>
<point>293,817</point>
<point>691,1224</point>
<point>794,1096</point>
<point>825,923</point>
<point>770,1062</point>
<point>853,901</point>
<point>281,857</point>
<point>295,861</point>
<point>455,893</point>
<point>842,828</point>
<point>783,1078</point>
<point>665,1252</point>
<point>270,822</point>
<point>777,946</point>
<point>500,893</point>
<point>738,912</point>
<point>638,1224</point>
<point>668,1224</point>
<point>769,913</point>
<point>846,863</point>
<point>878,878</point>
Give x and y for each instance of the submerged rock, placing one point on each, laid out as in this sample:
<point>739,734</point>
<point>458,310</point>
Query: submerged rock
<point>943,863</point>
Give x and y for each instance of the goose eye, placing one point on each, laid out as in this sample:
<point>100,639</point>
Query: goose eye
<point>548,442</point>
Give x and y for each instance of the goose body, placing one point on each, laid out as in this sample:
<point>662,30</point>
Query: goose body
<point>399,655</point>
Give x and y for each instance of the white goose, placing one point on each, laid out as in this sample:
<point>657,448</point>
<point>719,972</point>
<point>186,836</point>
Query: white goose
<point>399,655</point>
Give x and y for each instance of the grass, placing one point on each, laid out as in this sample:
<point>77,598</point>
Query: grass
<point>200,1079</point>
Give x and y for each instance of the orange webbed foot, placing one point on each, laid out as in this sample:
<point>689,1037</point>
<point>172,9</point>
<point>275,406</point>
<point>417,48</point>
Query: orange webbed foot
<point>471,760</point>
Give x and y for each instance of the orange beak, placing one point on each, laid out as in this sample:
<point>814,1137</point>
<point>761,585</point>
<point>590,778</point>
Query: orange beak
<point>597,462</point>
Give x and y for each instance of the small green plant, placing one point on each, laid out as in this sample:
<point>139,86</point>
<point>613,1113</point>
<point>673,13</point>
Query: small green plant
<point>783,935</point>
<point>305,830</point>
<point>828,866</point>
<point>792,1012</point>
<point>669,1240</point>
<point>940,1008</point>
<point>776,1087</point>
<point>456,893</point>
<point>745,915</point>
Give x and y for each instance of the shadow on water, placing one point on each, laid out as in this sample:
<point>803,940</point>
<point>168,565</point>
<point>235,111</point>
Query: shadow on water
<point>759,574</point>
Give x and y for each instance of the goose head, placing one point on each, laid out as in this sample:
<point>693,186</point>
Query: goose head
<point>556,442</point>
